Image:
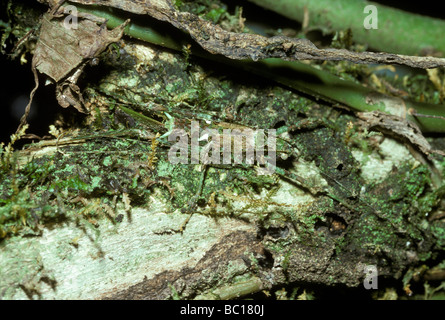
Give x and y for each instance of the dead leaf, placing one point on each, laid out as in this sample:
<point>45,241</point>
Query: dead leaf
<point>54,55</point>
<point>61,53</point>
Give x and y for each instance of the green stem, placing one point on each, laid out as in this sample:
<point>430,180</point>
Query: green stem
<point>324,85</point>
<point>398,31</point>
<point>296,75</point>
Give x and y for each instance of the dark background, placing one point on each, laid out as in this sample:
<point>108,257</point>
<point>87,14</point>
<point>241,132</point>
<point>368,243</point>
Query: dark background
<point>18,81</point>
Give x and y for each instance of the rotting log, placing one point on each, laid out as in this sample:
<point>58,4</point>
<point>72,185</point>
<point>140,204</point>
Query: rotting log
<point>101,212</point>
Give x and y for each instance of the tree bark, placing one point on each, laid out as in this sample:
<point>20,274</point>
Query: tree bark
<point>101,212</point>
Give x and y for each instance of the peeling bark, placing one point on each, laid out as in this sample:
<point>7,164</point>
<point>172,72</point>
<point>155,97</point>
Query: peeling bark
<point>255,47</point>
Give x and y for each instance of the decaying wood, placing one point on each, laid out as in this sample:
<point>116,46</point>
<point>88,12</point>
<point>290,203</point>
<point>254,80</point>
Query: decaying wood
<point>398,126</point>
<point>252,46</point>
<point>139,257</point>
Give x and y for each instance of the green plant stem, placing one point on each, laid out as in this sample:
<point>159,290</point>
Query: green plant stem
<point>398,31</point>
<point>296,75</point>
<point>324,85</point>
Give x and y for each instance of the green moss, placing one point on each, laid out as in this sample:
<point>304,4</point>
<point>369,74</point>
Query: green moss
<point>214,11</point>
<point>110,166</point>
<point>397,221</point>
<point>43,189</point>
<point>380,222</point>
<point>438,230</point>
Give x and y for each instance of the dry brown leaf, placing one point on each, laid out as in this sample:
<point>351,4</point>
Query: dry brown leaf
<point>61,50</point>
<point>61,53</point>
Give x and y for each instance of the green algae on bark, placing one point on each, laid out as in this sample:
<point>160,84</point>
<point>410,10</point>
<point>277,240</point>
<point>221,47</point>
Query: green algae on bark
<point>103,179</point>
<point>133,225</point>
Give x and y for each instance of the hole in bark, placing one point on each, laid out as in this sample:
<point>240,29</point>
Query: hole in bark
<point>337,225</point>
<point>279,124</point>
<point>277,232</point>
<point>267,260</point>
